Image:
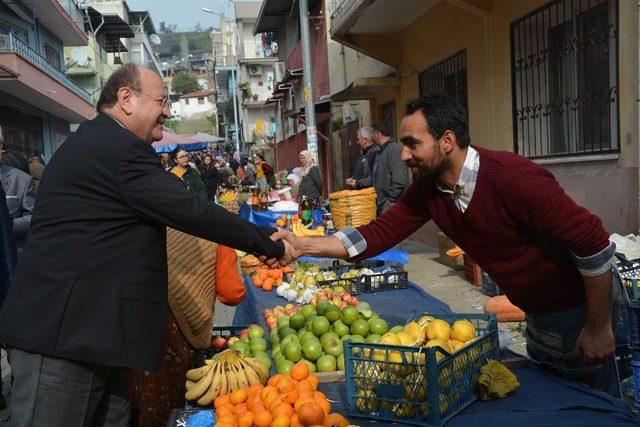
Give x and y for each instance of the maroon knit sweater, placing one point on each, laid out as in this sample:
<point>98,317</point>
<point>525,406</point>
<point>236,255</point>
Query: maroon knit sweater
<point>520,227</point>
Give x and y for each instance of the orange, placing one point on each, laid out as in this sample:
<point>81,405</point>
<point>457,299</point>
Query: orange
<point>283,409</point>
<point>272,397</point>
<point>262,418</point>
<point>314,381</point>
<point>300,371</point>
<point>305,392</point>
<point>274,379</point>
<point>324,404</point>
<point>294,422</point>
<point>238,396</point>
<point>267,389</point>
<point>224,410</point>
<point>332,420</point>
<point>256,406</point>
<point>291,397</point>
<point>240,408</point>
<point>221,401</point>
<point>263,274</point>
<point>311,414</point>
<point>300,402</point>
<point>306,385</point>
<point>285,385</point>
<point>257,281</point>
<point>256,388</point>
<point>229,418</point>
<point>268,285</point>
<point>274,403</point>
<point>319,395</point>
<point>245,419</point>
<point>225,424</point>
<point>280,421</point>
<point>279,281</point>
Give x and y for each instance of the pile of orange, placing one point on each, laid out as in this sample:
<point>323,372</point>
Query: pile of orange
<point>290,400</point>
<point>266,278</point>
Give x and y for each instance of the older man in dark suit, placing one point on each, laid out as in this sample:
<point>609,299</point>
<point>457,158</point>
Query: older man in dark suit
<point>89,299</point>
<point>20,192</point>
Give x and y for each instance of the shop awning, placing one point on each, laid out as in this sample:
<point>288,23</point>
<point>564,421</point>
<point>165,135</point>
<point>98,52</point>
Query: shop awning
<point>170,141</point>
<point>366,88</point>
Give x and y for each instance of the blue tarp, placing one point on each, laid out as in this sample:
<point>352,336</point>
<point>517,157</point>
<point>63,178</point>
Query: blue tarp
<point>187,147</point>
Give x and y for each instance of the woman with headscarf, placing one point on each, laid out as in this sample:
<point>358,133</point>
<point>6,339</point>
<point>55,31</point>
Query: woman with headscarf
<point>311,180</point>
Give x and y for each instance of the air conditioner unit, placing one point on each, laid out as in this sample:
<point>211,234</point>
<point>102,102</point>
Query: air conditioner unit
<point>255,70</point>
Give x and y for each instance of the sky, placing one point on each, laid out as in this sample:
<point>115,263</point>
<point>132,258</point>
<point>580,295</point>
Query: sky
<point>184,13</point>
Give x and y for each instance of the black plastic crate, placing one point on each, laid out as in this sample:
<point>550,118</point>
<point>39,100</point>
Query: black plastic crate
<point>384,281</point>
<point>629,273</point>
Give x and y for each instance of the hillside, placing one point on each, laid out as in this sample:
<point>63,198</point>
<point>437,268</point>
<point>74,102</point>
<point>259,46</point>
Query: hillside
<point>198,42</point>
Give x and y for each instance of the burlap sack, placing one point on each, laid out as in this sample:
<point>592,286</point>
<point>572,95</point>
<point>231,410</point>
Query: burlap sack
<point>352,208</point>
<point>192,289</point>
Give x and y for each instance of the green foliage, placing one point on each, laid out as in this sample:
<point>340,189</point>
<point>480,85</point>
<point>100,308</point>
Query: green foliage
<point>184,82</point>
<point>198,42</point>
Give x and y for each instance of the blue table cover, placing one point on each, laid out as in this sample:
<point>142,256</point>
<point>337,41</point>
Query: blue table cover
<point>394,306</point>
<point>541,400</point>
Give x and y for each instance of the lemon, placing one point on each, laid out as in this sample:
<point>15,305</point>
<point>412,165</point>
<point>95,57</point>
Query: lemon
<point>417,331</point>
<point>405,338</point>
<point>463,330</point>
<point>439,343</point>
<point>455,345</point>
<point>389,339</point>
<point>438,330</point>
<point>365,401</point>
<point>425,320</point>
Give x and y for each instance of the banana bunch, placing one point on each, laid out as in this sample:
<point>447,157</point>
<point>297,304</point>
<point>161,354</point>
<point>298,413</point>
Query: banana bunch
<point>302,230</point>
<point>224,373</point>
<point>227,196</point>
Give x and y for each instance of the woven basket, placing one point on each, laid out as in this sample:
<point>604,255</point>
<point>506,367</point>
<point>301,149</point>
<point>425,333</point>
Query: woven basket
<point>192,285</point>
<point>352,208</point>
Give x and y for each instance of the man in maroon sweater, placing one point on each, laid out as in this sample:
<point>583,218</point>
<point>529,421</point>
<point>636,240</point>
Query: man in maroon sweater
<point>551,257</point>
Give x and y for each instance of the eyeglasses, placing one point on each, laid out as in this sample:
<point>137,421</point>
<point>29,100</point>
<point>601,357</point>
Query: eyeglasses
<point>183,156</point>
<point>163,100</point>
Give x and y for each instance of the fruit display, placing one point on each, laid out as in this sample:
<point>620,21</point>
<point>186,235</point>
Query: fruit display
<point>268,278</point>
<point>250,343</point>
<point>314,335</point>
<point>271,316</point>
<point>290,400</point>
<point>224,373</point>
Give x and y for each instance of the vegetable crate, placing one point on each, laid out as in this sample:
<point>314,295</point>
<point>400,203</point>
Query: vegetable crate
<point>226,332</point>
<point>629,274</point>
<point>385,278</point>
<point>423,386</point>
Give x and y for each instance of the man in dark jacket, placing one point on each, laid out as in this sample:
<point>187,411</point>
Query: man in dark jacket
<point>89,298</point>
<point>20,191</point>
<point>390,176</point>
<point>362,175</point>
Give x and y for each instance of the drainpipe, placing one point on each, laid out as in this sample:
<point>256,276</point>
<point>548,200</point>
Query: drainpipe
<point>638,105</point>
<point>344,65</point>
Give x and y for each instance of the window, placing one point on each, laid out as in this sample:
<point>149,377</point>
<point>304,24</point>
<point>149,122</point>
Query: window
<point>51,55</point>
<point>8,27</point>
<point>201,100</point>
<point>448,76</point>
<point>389,116</point>
<point>564,64</point>
<point>186,101</point>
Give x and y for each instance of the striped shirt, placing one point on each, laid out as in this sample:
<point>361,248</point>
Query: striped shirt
<point>463,190</point>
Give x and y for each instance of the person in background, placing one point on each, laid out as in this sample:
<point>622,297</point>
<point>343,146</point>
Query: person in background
<point>8,260</point>
<point>223,174</point>
<point>20,193</point>
<point>187,173</point>
<point>36,167</point>
<point>294,182</point>
<point>389,175</point>
<point>166,161</point>
<point>362,175</point>
<point>209,175</point>
<point>265,176</point>
<point>310,178</point>
<point>249,173</point>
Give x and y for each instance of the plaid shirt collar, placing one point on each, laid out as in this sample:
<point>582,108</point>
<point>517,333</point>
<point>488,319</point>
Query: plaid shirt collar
<point>466,184</point>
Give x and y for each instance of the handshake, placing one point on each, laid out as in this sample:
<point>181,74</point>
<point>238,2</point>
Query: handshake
<point>295,247</point>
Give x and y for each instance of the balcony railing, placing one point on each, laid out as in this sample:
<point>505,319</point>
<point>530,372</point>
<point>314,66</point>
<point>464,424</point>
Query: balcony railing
<point>255,49</point>
<point>10,43</point>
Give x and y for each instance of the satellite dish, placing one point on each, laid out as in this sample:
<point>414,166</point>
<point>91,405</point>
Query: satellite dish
<point>155,39</point>
<point>79,56</point>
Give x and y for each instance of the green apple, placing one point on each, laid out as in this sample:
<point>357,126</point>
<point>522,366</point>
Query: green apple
<point>326,363</point>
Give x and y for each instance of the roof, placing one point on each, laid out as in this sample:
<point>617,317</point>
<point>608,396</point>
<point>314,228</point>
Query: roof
<point>198,94</point>
<point>248,10</point>
<point>274,12</point>
<point>109,23</point>
<point>137,16</point>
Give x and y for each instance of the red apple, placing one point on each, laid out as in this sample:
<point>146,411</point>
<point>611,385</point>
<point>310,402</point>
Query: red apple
<point>353,301</point>
<point>219,343</point>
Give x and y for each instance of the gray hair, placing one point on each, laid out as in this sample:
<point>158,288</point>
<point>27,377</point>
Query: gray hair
<point>366,132</point>
<point>127,75</point>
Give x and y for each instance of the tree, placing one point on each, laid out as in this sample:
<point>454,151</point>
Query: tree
<point>184,82</point>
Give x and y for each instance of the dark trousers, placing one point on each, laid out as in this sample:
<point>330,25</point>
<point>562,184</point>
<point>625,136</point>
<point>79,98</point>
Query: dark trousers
<point>56,392</point>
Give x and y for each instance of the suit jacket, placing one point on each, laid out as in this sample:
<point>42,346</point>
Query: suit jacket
<point>91,283</point>
<point>20,192</point>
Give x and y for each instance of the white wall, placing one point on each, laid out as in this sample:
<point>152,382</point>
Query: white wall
<point>193,109</point>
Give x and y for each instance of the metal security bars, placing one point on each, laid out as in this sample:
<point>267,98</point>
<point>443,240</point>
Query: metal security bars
<point>389,116</point>
<point>447,76</point>
<point>564,69</point>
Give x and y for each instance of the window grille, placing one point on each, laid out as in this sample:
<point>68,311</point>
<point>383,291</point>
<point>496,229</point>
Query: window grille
<point>389,116</point>
<point>564,67</point>
<point>448,76</point>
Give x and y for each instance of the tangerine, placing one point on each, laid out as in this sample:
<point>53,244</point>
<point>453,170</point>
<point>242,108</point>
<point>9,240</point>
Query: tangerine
<point>283,409</point>
<point>294,422</point>
<point>300,371</point>
<point>257,281</point>
<point>311,414</point>
<point>274,380</point>
<point>268,285</point>
<point>221,401</point>
<point>285,385</point>
<point>238,396</point>
<point>262,418</point>
<point>319,395</point>
<point>265,391</point>
<point>245,419</point>
<point>274,403</point>
<point>280,421</point>
<point>256,388</point>
<point>224,410</point>
<point>332,420</point>
<point>313,379</point>
<point>229,418</point>
<point>325,405</point>
<point>300,402</point>
<point>240,409</point>
<point>291,397</point>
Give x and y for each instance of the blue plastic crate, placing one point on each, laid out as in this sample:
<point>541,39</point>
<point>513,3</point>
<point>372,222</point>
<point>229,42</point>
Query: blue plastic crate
<point>418,385</point>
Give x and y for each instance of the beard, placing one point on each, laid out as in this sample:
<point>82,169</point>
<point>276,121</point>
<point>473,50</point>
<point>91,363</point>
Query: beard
<point>429,172</point>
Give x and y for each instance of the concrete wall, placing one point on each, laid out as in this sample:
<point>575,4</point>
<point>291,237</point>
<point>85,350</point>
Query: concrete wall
<point>194,109</point>
<point>608,187</point>
<point>250,117</point>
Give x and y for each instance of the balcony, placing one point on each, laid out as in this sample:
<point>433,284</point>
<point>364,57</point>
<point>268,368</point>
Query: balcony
<point>254,49</point>
<point>63,18</point>
<point>34,79</point>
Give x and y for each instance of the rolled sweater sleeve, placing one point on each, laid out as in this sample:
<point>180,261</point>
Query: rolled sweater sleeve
<point>396,224</point>
<point>536,201</point>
